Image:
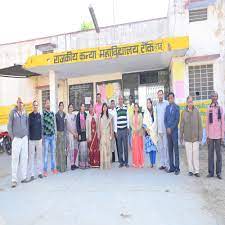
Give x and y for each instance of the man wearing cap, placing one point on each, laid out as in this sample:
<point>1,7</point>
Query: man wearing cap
<point>18,131</point>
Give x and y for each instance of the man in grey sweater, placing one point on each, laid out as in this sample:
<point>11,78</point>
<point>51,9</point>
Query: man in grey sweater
<point>18,131</point>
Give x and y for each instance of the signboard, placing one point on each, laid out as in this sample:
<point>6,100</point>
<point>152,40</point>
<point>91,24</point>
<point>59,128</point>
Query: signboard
<point>109,52</point>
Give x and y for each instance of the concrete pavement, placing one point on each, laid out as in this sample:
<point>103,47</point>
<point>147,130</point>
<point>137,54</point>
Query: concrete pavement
<point>94,197</point>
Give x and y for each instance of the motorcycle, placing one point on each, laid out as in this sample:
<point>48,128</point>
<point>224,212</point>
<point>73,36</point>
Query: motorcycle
<point>5,143</point>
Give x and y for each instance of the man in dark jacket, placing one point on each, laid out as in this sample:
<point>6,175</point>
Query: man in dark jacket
<point>171,120</point>
<point>35,142</point>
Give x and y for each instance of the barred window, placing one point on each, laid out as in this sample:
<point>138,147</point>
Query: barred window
<point>201,81</point>
<point>45,96</point>
<point>197,15</point>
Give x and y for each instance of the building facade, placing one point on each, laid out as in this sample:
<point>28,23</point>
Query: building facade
<point>183,52</point>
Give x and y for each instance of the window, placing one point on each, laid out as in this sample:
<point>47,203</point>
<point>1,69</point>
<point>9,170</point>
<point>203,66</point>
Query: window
<point>81,93</point>
<point>149,77</point>
<point>200,81</point>
<point>45,96</point>
<point>197,15</point>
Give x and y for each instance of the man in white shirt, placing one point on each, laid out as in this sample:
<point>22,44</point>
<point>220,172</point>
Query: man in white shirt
<point>113,113</point>
<point>161,131</point>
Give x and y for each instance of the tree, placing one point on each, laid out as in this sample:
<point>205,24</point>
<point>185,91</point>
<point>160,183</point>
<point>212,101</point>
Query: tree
<point>87,25</point>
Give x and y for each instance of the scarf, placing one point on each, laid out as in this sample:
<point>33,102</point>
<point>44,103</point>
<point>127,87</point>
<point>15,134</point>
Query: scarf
<point>211,112</point>
<point>82,122</point>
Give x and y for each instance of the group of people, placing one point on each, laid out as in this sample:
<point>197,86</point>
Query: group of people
<point>106,133</point>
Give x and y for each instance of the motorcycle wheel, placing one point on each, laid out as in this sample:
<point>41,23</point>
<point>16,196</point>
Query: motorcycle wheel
<point>7,145</point>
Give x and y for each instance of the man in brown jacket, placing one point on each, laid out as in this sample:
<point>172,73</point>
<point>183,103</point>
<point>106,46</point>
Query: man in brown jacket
<point>191,133</point>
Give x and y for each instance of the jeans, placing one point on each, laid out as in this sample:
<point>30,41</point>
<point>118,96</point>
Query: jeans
<point>173,150</point>
<point>152,157</point>
<point>49,141</point>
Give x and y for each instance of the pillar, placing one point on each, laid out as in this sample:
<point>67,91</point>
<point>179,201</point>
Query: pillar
<point>53,86</point>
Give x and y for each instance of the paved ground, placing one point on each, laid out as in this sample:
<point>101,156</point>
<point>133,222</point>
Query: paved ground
<point>114,197</point>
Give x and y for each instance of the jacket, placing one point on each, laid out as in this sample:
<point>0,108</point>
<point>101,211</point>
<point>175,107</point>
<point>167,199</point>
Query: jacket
<point>18,124</point>
<point>191,125</point>
<point>172,117</point>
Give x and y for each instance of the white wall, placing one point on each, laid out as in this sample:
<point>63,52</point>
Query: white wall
<point>12,88</point>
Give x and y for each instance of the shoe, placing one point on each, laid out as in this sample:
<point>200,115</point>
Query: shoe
<point>219,177</point>
<point>190,174</point>
<point>209,176</point>
<point>197,175</point>
<point>24,181</point>
<point>177,172</point>
<point>55,171</point>
<point>121,165</point>
<point>76,167</point>
<point>170,171</point>
<point>152,166</point>
<point>162,168</point>
<point>40,176</point>
<point>45,174</point>
<point>31,179</point>
<point>14,184</point>
<point>73,167</point>
<point>127,166</point>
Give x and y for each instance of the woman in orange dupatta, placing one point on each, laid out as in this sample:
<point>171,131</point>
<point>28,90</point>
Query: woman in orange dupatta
<point>92,138</point>
<point>136,124</point>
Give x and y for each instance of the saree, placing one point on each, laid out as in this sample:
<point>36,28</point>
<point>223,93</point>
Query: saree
<point>137,140</point>
<point>105,143</point>
<point>94,153</point>
<point>71,142</point>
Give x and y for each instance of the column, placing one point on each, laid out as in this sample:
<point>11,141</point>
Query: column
<point>179,83</point>
<point>53,86</point>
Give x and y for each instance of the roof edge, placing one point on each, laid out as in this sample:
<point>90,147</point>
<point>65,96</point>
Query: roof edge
<point>80,31</point>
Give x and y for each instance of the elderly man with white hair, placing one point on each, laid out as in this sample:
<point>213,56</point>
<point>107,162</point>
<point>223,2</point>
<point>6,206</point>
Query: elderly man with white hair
<point>18,131</point>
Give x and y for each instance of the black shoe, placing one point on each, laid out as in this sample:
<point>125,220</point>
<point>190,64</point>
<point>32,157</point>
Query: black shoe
<point>40,176</point>
<point>177,172</point>
<point>73,167</point>
<point>31,179</point>
<point>121,165</point>
<point>127,165</point>
<point>162,168</point>
<point>24,181</point>
<point>209,176</point>
<point>190,174</point>
<point>152,166</point>
<point>170,171</point>
<point>219,177</point>
<point>197,175</point>
<point>76,167</point>
<point>14,183</point>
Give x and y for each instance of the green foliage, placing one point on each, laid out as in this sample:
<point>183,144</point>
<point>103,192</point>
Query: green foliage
<point>87,25</point>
